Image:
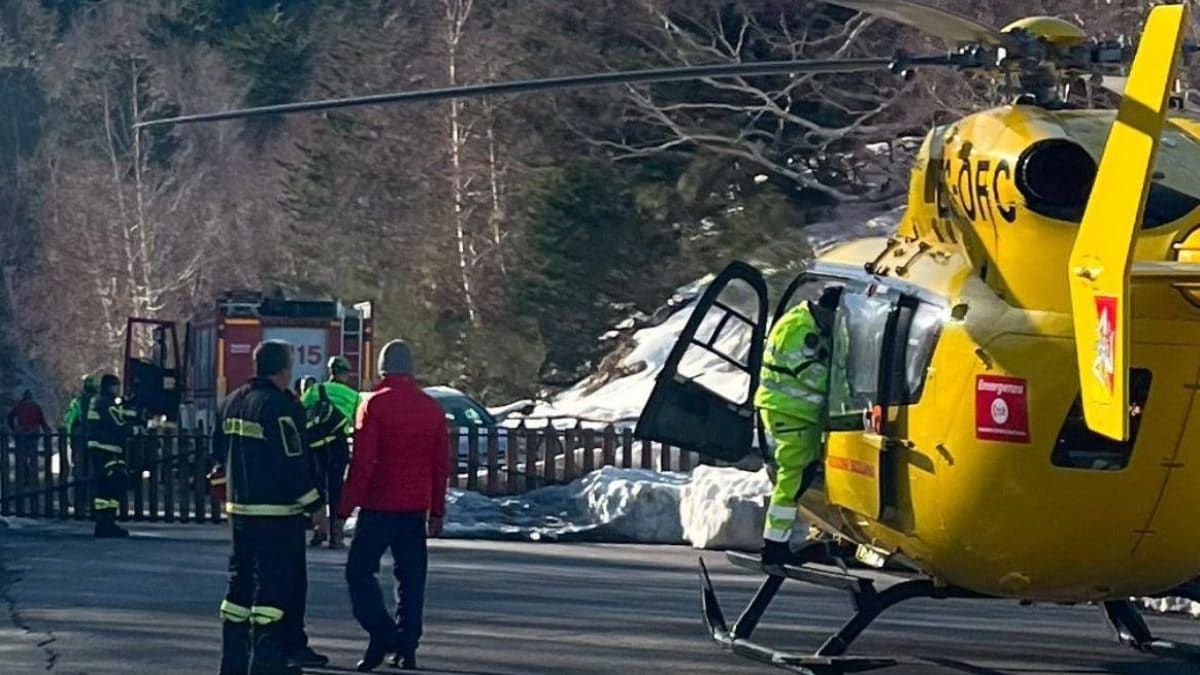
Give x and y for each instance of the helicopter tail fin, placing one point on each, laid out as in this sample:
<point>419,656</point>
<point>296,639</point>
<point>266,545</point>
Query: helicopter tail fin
<point>1100,264</point>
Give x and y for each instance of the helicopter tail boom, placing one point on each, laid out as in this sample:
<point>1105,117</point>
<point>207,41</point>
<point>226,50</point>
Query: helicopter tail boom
<point>1101,260</point>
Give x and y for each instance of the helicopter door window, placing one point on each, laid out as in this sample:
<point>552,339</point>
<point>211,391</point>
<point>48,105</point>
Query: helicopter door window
<point>718,358</point>
<point>919,324</point>
<point>858,343</point>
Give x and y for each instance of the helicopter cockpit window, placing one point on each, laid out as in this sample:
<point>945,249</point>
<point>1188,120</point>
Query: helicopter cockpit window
<point>719,357</point>
<point>858,342</point>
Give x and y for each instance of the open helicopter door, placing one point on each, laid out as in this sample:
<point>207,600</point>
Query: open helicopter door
<point>703,399</point>
<point>859,381</point>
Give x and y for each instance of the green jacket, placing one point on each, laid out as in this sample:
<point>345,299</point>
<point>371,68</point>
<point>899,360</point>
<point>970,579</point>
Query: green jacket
<point>795,370</point>
<point>344,398</point>
<point>73,420</point>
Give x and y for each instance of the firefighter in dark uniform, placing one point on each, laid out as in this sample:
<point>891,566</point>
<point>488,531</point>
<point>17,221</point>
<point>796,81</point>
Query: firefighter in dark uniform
<point>108,426</point>
<point>270,487</point>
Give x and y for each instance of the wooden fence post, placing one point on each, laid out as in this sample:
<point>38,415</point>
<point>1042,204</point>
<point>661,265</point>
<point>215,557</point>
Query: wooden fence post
<point>589,458</point>
<point>198,451</point>
<point>531,457</point>
<point>205,451</point>
<point>473,458</point>
<point>455,439</point>
<point>647,454</point>
<point>48,491</point>
<point>570,440</point>
<point>20,477</point>
<point>168,461</point>
<point>152,464</point>
<point>665,458</point>
<point>493,461</point>
<point>64,477</point>
<point>512,459</point>
<point>6,504</point>
<point>627,448</point>
<point>81,475</point>
<point>138,461</point>
<point>609,445</point>
<point>181,470</point>
<point>550,459</point>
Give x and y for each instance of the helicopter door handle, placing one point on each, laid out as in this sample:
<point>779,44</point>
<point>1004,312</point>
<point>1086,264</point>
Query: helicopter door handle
<point>1089,273</point>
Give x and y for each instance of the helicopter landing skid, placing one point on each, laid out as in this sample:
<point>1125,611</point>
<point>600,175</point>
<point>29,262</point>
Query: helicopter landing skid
<point>830,658</point>
<point>1131,629</point>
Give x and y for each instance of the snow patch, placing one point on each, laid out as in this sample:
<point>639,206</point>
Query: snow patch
<point>724,508</point>
<point>1172,606</point>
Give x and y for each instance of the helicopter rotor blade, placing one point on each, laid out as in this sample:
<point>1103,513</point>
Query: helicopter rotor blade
<point>565,83</point>
<point>947,25</point>
<point>1117,83</point>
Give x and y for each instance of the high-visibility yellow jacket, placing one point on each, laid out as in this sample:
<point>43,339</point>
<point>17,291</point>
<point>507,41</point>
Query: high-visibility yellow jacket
<point>321,430</point>
<point>795,371</point>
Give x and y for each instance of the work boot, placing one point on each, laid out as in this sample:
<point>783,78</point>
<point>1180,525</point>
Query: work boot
<point>235,648</point>
<point>777,553</point>
<point>377,650</point>
<point>107,528</point>
<point>305,657</point>
<point>318,538</point>
<point>406,661</point>
<point>268,658</point>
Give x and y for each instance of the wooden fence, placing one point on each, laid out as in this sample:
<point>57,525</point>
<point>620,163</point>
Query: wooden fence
<point>505,461</point>
<point>49,476</point>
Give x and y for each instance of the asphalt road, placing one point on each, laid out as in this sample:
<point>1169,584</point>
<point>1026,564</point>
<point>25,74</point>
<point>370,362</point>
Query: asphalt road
<point>149,605</point>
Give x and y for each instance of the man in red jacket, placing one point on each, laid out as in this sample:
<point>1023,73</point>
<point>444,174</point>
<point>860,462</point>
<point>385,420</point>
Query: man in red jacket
<point>398,481</point>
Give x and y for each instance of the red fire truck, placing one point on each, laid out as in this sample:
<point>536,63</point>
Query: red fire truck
<point>218,345</point>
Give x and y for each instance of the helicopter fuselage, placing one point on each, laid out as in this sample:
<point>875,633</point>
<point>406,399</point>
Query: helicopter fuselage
<point>990,480</point>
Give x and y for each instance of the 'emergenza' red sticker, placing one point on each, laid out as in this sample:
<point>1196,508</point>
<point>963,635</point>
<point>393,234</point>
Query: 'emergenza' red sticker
<point>1001,409</point>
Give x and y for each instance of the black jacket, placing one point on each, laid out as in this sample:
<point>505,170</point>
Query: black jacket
<point>108,424</point>
<point>267,464</point>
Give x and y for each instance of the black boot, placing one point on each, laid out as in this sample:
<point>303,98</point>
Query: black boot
<point>777,553</point>
<point>106,526</point>
<point>305,657</point>
<point>377,651</point>
<point>268,657</point>
<point>405,661</point>
<point>235,648</point>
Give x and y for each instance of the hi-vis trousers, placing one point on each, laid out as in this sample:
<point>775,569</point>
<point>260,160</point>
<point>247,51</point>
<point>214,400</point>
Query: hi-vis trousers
<point>797,447</point>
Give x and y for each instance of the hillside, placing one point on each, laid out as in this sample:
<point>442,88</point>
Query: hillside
<point>498,236</point>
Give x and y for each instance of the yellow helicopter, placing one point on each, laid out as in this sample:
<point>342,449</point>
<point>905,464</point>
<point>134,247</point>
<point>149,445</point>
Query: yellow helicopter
<point>1017,366</point>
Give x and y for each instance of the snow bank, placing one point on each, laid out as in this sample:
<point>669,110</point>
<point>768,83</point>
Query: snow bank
<point>611,504</point>
<point>724,508</point>
<point>635,504</point>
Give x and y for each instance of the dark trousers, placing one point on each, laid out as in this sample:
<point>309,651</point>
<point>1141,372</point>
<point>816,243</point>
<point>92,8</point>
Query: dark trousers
<point>26,446</point>
<point>110,477</point>
<point>332,460</point>
<point>294,637</point>
<point>404,534</point>
<point>267,554</point>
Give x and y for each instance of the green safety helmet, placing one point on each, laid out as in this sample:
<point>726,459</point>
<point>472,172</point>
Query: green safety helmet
<point>88,384</point>
<point>339,365</point>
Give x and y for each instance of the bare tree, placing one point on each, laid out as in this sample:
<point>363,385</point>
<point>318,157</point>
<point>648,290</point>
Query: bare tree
<point>806,128</point>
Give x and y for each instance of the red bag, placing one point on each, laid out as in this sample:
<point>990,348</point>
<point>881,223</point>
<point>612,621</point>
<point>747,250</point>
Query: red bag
<point>216,483</point>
